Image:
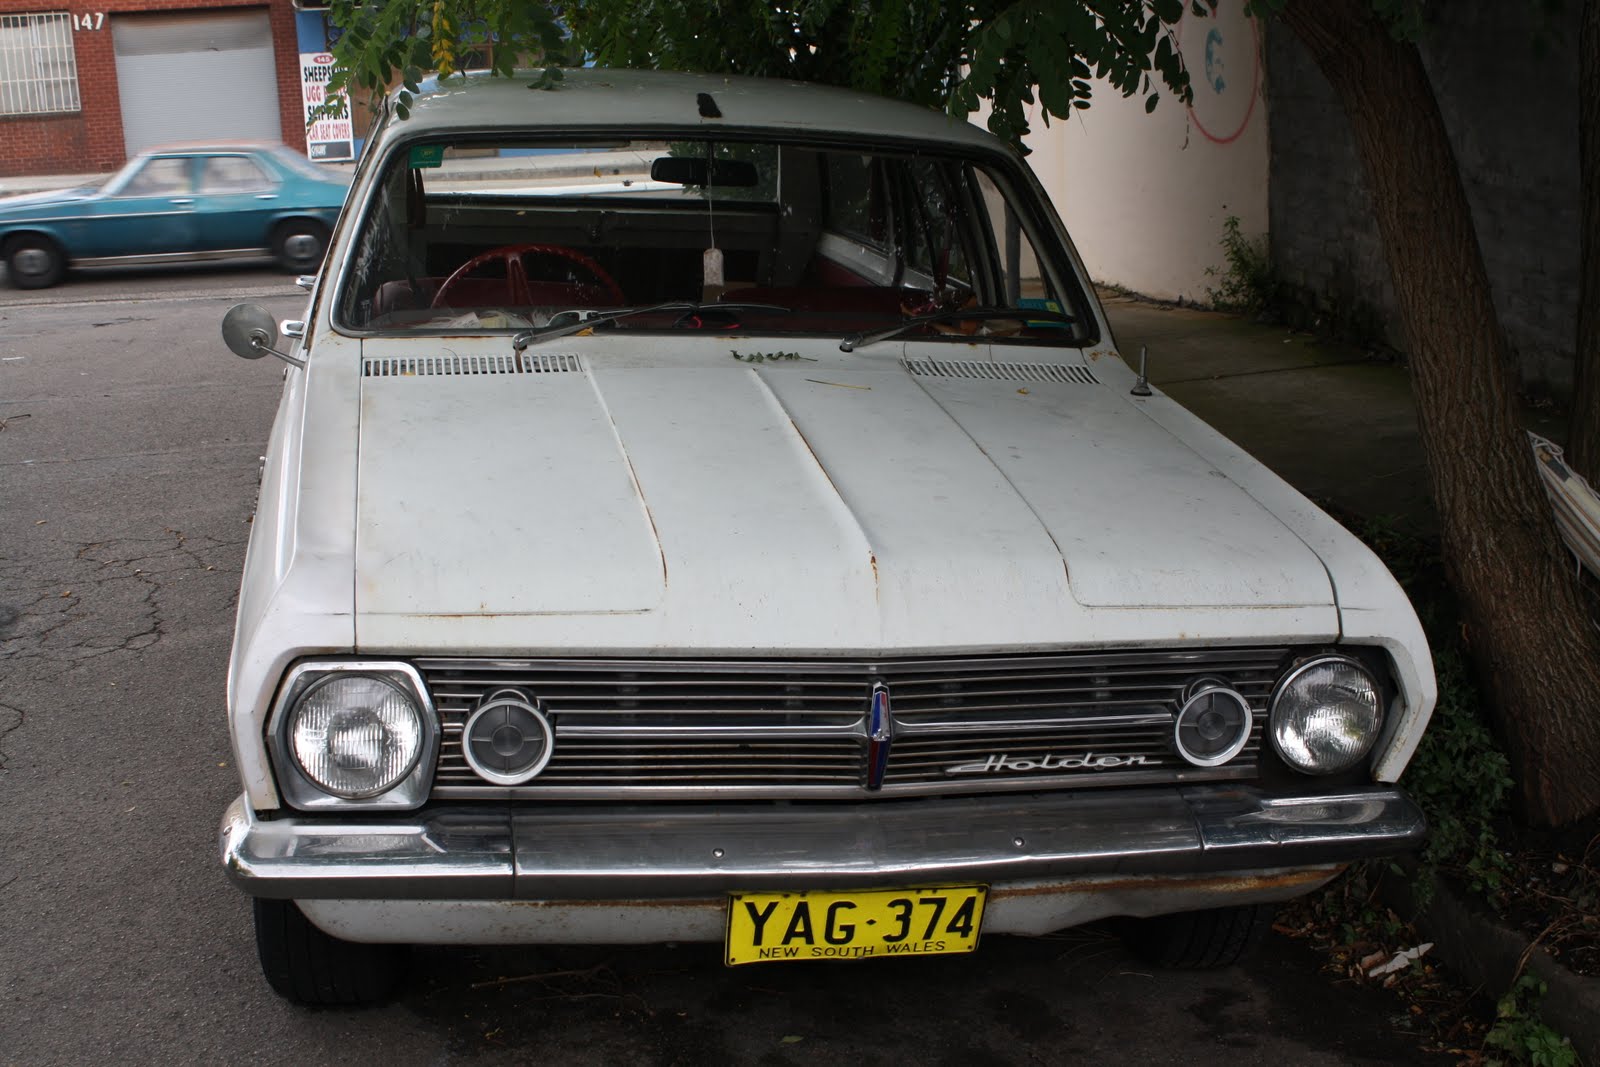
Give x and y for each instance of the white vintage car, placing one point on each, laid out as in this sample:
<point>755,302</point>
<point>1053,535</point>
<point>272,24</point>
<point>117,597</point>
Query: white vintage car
<point>716,509</point>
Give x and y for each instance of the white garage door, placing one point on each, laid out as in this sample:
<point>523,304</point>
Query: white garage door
<point>196,78</point>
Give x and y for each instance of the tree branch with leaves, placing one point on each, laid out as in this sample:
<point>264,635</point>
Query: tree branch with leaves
<point>396,44</point>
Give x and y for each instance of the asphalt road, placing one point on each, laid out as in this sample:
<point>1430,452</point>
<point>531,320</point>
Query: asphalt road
<point>128,448</point>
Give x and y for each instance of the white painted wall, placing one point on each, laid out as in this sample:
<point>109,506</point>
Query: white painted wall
<point>1145,195</point>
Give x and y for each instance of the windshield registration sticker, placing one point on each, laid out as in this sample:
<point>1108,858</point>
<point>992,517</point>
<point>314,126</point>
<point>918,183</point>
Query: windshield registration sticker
<point>765,927</point>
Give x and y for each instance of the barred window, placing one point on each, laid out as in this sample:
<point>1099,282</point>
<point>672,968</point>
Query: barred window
<point>38,67</point>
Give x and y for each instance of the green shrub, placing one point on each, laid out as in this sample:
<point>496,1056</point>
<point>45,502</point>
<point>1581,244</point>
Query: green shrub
<point>1248,283</point>
<point>1522,1035</point>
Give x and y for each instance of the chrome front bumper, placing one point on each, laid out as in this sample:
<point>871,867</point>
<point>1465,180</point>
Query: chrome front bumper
<point>667,852</point>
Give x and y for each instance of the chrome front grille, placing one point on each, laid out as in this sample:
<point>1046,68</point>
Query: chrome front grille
<point>802,728</point>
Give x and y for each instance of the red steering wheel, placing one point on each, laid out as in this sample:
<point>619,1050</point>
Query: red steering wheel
<point>521,290</point>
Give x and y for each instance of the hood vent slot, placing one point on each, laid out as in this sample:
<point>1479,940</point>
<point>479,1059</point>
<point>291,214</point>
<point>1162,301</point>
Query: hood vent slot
<point>431,366</point>
<point>1000,372</point>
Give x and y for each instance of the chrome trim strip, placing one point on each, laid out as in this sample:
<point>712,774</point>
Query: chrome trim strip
<point>558,852</point>
<point>703,786</point>
<point>708,733</point>
<point>880,736</point>
<point>34,220</point>
<point>907,665</point>
<point>1020,724</point>
<point>168,257</point>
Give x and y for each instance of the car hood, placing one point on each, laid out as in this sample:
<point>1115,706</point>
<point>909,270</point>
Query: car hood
<point>776,506</point>
<point>28,203</point>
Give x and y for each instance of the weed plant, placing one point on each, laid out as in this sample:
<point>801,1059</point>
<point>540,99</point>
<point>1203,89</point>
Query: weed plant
<point>1521,1036</point>
<point>1248,283</point>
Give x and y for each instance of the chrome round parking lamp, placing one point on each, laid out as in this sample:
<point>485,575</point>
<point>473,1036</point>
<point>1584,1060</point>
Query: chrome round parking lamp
<point>1212,726</point>
<point>507,740</point>
<point>355,735</point>
<point>1325,715</point>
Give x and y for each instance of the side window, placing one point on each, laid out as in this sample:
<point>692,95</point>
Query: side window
<point>856,205</point>
<point>232,174</point>
<point>379,264</point>
<point>162,176</point>
<point>1022,277</point>
<point>937,230</point>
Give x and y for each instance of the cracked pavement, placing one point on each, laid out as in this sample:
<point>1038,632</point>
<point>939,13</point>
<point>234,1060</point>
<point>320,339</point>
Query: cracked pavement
<point>128,445</point>
<point>106,597</point>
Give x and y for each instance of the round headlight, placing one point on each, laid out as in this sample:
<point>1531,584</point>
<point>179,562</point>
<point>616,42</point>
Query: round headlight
<point>356,735</point>
<point>1325,715</point>
<point>1212,726</point>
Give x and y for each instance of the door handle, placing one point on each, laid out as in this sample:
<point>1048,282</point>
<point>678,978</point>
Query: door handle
<point>183,200</point>
<point>266,196</point>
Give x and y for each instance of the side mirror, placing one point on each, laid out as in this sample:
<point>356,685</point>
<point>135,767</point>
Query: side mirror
<point>250,331</point>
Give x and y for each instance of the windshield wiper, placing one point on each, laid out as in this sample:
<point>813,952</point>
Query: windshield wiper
<point>853,341</point>
<point>586,319</point>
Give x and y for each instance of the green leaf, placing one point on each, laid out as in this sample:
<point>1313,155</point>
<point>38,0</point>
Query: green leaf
<point>1151,101</point>
<point>1057,97</point>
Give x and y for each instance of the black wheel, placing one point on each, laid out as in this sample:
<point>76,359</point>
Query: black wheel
<point>299,245</point>
<point>1200,940</point>
<point>307,966</point>
<point>34,261</point>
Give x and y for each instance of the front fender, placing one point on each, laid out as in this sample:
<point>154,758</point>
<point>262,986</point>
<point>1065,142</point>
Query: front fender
<point>55,232</point>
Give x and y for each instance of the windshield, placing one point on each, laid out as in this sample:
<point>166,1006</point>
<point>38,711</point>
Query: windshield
<point>805,239</point>
<point>115,181</point>
<point>301,165</point>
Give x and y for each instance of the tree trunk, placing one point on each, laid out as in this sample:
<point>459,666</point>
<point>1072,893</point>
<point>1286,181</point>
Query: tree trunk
<point>1583,440</point>
<point>1537,651</point>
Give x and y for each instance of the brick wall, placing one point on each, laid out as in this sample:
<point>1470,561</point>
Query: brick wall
<point>90,140</point>
<point>1506,79</point>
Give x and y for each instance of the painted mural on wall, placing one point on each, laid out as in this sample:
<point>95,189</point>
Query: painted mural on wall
<point>1222,52</point>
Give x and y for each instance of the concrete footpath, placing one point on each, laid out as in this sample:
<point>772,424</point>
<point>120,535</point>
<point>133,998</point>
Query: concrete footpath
<point>1334,422</point>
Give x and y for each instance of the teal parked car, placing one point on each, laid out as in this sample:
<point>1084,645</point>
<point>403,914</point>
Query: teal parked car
<point>176,205</point>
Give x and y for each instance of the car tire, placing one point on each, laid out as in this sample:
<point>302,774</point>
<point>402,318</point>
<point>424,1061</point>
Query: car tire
<point>307,966</point>
<point>299,245</point>
<point>1200,940</point>
<point>34,262</point>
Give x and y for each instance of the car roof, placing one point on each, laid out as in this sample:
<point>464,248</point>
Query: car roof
<point>592,97</point>
<point>209,146</point>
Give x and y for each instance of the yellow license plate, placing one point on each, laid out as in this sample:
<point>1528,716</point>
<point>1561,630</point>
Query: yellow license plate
<point>853,925</point>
